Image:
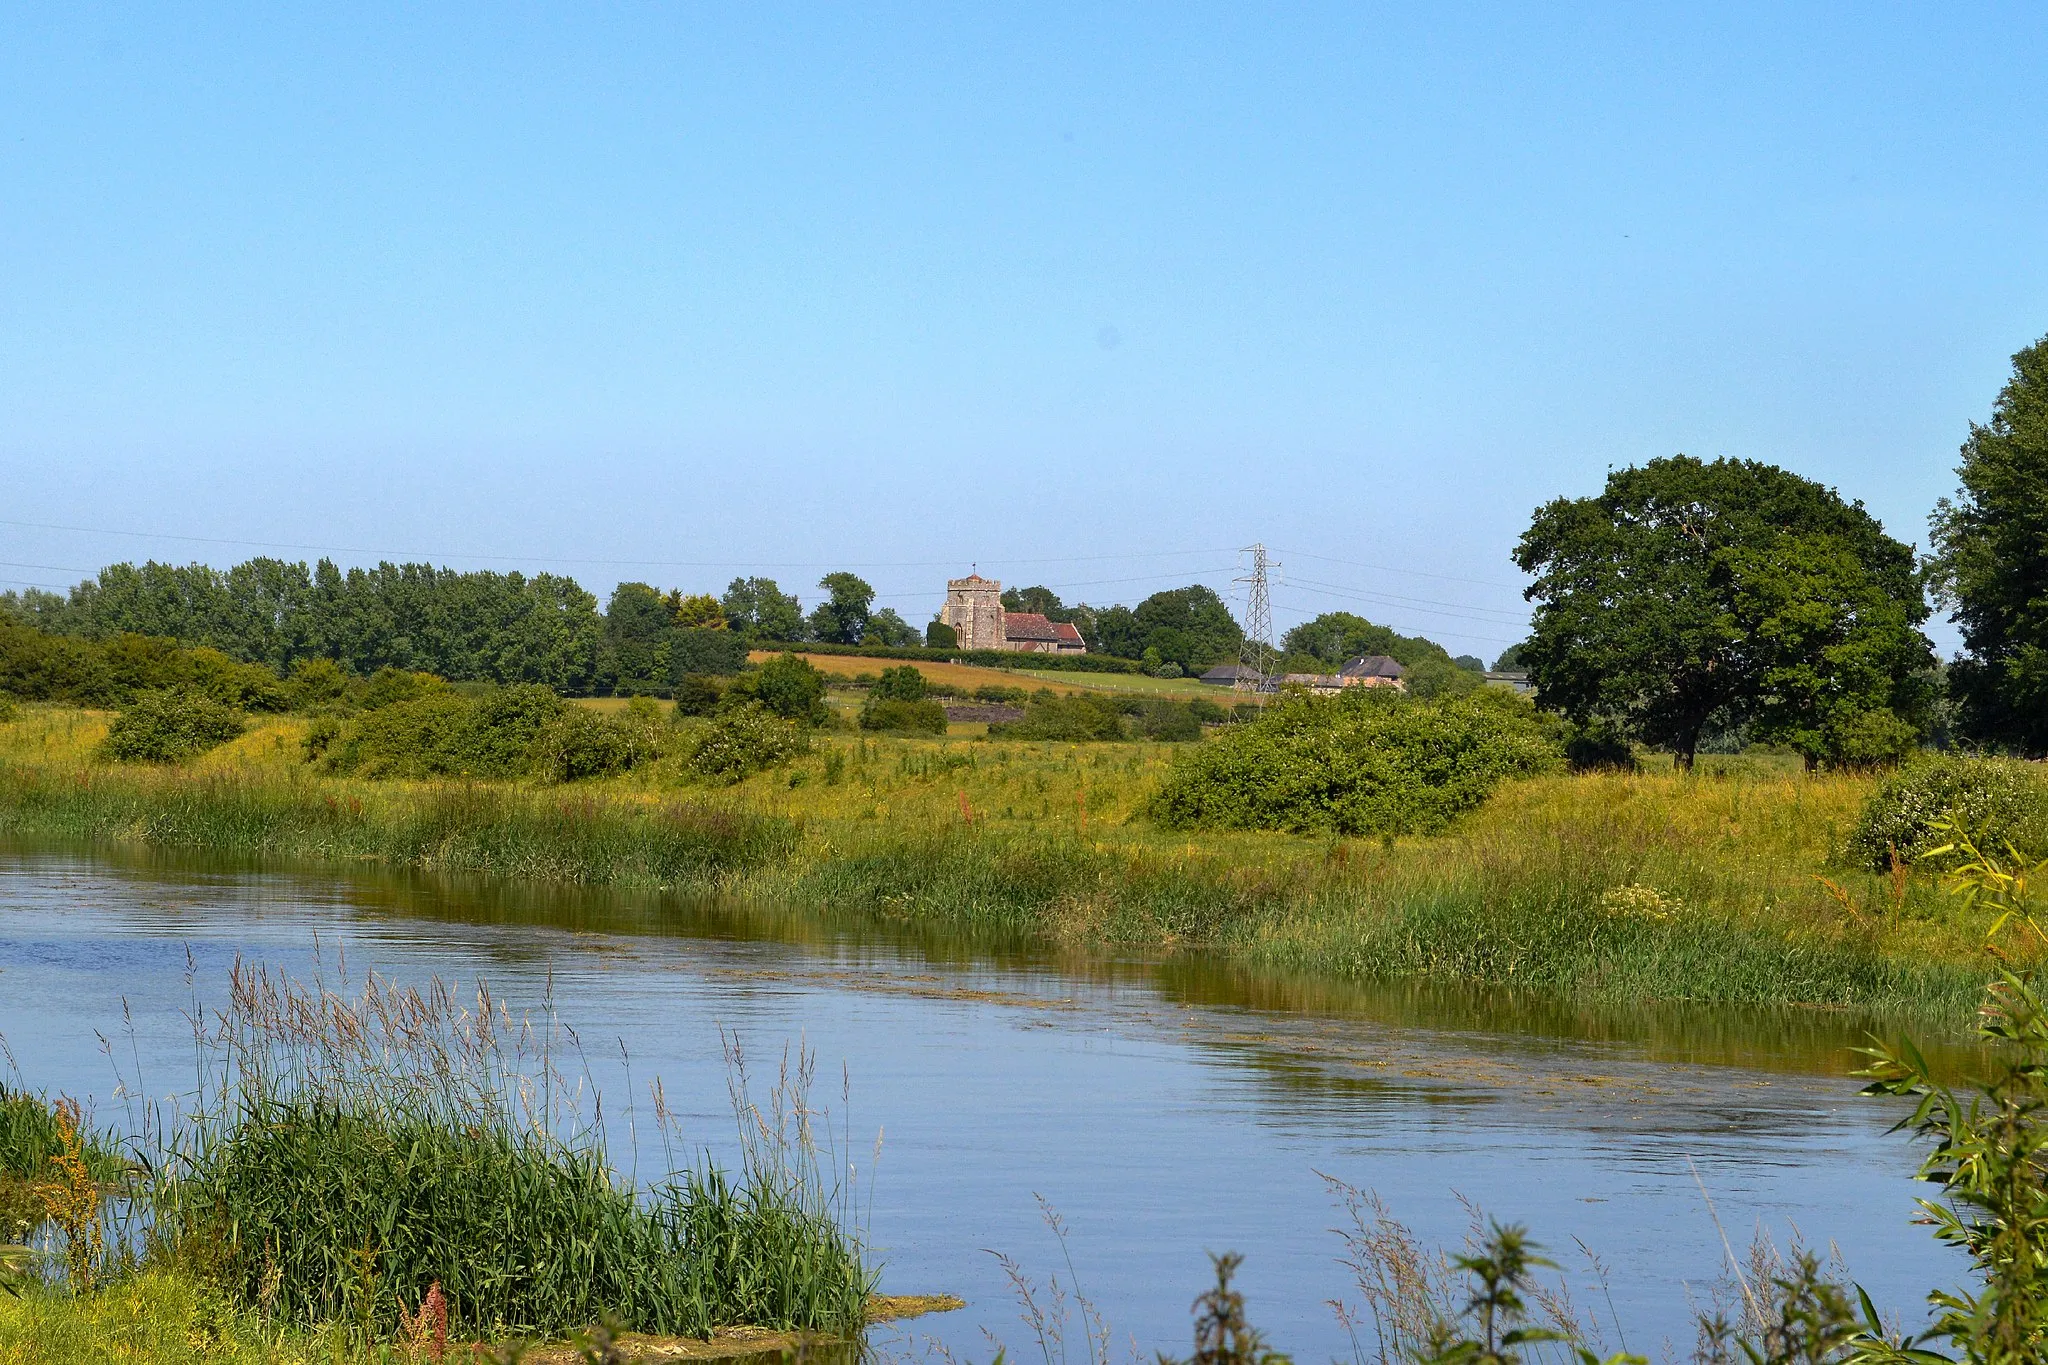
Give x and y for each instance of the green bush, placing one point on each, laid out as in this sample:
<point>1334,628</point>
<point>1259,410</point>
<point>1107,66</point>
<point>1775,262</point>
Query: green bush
<point>316,683</point>
<point>1162,719</point>
<point>743,740</point>
<point>8,710</point>
<point>1998,800</point>
<point>997,695</point>
<point>902,683</point>
<point>914,717</point>
<point>319,738</point>
<point>581,743</point>
<point>697,694</point>
<point>786,685</point>
<point>390,686</point>
<point>1366,761</point>
<point>170,727</point>
<point>1207,712</point>
<point>1599,746</point>
<point>445,733</point>
<point>1074,719</point>
<point>939,635</point>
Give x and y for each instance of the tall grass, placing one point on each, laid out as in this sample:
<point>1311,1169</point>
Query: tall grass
<point>1728,887</point>
<point>352,1150</point>
<point>504,831</point>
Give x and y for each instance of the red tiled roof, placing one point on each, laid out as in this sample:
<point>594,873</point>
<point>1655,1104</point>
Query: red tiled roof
<point>1068,632</point>
<point>1028,625</point>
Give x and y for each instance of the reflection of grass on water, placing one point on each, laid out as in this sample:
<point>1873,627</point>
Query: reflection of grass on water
<point>371,1166</point>
<point>1726,888</point>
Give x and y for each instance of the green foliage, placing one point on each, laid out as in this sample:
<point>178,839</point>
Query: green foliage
<point>908,717</point>
<point>316,684</point>
<point>389,686</point>
<point>1997,801</point>
<point>1690,589</point>
<point>704,652</point>
<point>903,683</point>
<point>1991,564</point>
<point>1162,718</point>
<point>842,618</point>
<point>351,1151</point>
<point>742,740</point>
<point>1206,712</point>
<point>637,622</point>
<point>581,743</point>
<point>1190,627</point>
<point>169,727</point>
<point>789,686</point>
<point>445,733</point>
<point>31,1133</point>
<point>1987,1151</point>
<point>697,695</point>
<point>1073,719</point>
<point>886,627</point>
<point>1224,1335</point>
<point>1367,761</point>
<point>939,635</point>
<point>1599,745</point>
<point>758,610</point>
<point>8,710</point>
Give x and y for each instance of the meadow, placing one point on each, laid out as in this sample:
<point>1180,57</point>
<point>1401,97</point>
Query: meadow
<point>1725,886</point>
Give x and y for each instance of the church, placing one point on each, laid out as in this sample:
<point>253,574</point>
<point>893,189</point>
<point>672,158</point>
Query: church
<point>974,609</point>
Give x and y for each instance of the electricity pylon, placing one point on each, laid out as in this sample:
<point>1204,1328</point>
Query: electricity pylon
<point>1253,653</point>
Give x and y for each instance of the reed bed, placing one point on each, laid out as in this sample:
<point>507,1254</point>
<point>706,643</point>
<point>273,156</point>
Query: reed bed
<point>352,1150</point>
<point>1728,886</point>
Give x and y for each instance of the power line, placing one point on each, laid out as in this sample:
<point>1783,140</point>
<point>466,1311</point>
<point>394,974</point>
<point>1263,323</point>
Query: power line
<point>1413,573</point>
<point>627,563</point>
<point>1409,601</point>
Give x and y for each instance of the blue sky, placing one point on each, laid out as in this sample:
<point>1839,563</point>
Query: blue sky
<point>1086,295</point>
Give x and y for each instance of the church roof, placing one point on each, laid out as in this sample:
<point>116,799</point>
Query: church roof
<point>1029,625</point>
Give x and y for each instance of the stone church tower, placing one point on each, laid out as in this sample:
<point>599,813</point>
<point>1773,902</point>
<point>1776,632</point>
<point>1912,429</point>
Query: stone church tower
<point>974,609</point>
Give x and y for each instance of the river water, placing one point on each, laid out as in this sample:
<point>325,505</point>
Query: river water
<point>1161,1110</point>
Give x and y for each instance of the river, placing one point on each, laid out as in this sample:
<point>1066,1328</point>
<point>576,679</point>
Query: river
<point>1162,1110</point>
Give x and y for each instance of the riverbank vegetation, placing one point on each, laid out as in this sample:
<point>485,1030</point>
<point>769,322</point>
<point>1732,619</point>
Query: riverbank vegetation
<point>376,1166</point>
<point>1733,884</point>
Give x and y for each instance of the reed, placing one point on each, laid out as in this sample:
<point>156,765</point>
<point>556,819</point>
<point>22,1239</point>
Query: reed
<point>1729,886</point>
<point>352,1150</point>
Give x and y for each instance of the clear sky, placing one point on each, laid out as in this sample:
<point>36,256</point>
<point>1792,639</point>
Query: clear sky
<point>1087,295</point>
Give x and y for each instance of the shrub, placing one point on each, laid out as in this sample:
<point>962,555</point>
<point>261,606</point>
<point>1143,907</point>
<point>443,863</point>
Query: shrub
<point>916,717</point>
<point>443,733</point>
<point>170,727</point>
<point>8,710</point>
<point>319,738</point>
<point>1161,719</point>
<point>1999,801</point>
<point>903,683</point>
<point>743,740</point>
<point>997,695</point>
<point>1599,746</point>
<point>316,683</point>
<point>581,743</point>
<point>939,635</point>
<point>1071,719</point>
<point>697,694</point>
<point>787,686</point>
<point>1207,712</point>
<point>390,686</point>
<point>1362,762</point>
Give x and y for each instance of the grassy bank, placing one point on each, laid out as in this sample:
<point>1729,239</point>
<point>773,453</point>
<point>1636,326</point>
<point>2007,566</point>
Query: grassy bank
<point>1726,886</point>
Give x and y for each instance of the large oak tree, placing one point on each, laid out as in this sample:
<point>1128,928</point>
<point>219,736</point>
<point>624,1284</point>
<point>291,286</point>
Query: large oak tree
<point>1729,591</point>
<point>1990,565</point>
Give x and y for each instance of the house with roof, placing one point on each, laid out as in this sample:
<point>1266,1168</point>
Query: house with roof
<point>974,609</point>
<point>1373,670</point>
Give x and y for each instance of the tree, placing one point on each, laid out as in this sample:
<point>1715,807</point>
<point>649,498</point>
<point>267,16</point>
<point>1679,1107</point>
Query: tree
<point>1732,590</point>
<point>939,635</point>
<point>1990,566</point>
<point>842,618</point>
<point>1188,626</point>
<point>1510,660</point>
<point>699,611</point>
<point>791,688</point>
<point>885,627</point>
<point>761,611</point>
<point>636,620</point>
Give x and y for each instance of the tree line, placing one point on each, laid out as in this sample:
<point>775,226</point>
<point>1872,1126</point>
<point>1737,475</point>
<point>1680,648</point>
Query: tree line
<point>1695,599</point>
